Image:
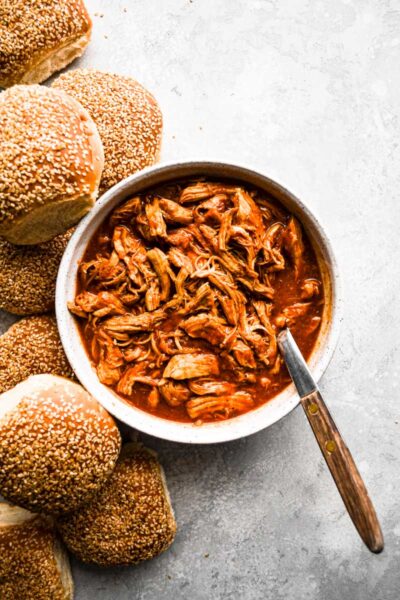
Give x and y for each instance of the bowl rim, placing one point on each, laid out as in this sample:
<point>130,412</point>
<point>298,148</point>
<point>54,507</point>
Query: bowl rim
<point>230,429</point>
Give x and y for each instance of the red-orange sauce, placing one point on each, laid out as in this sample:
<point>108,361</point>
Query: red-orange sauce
<point>288,286</point>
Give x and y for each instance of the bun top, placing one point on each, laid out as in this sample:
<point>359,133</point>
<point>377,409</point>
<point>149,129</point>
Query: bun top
<point>31,30</point>
<point>127,116</point>
<point>28,275</point>
<point>32,565</point>
<point>129,520</point>
<point>31,346</point>
<point>47,153</point>
<point>57,444</point>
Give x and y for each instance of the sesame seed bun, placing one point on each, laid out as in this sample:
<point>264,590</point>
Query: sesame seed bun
<point>130,519</point>
<point>127,116</point>
<point>51,159</point>
<point>33,565</point>
<point>40,37</point>
<point>58,446</point>
<point>30,347</point>
<point>28,275</point>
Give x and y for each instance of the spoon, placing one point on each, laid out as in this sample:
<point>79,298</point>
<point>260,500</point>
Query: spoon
<point>337,456</point>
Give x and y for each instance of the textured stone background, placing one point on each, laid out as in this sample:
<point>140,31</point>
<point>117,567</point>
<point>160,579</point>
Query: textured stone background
<point>307,91</point>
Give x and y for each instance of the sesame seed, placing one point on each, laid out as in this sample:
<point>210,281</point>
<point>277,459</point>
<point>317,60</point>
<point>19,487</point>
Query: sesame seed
<point>32,31</point>
<point>28,275</point>
<point>130,519</point>
<point>127,116</point>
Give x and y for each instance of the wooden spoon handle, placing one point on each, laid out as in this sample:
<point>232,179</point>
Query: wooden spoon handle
<point>344,471</point>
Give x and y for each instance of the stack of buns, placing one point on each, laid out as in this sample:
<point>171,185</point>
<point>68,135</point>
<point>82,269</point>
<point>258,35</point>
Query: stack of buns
<point>60,146</point>
<point>61,471</point>
<point>60,458</point>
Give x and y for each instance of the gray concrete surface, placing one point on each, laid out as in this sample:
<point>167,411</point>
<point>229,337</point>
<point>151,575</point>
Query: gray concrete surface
<point>307,91</point>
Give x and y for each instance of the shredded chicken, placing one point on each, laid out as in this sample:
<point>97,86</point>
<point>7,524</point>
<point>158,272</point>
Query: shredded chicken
<point>310,288</point>
<point>202,406</point>
<point>130,323</point>
<point>293,243</point>
<point>161,266</point>
<point>203,387</point>
<point>174,213</point>
<point>174,393</point>
<point>189,366</point>
<point>181,298</point>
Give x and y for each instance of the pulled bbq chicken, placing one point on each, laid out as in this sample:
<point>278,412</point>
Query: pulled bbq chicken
<point>178,298</point>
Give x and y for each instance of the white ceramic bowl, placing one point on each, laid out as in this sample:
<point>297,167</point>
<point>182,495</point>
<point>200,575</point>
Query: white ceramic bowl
<point>222,431</point>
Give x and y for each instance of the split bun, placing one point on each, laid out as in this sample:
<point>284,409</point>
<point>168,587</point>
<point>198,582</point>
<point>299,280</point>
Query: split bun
<point>39,38</point>
<point>51,160</point>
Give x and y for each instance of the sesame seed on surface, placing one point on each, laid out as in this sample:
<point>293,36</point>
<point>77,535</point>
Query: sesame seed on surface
<point>28,275</point>
<point>48,154</point>
<point>28,566</point>
<point>127,116</point>
<point>30,347</point>
<point>31,31</point>
<point>130,519</point>
<point>57,447</point>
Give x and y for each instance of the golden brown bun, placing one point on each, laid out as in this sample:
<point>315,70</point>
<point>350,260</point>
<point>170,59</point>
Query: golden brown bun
<point>33,565</point>
<point>51,160</point>
<point>58,446</point>
<point>28,275</point>
<point>127,116</point>
<point>130,519</point>
<point>30,347</point>
<point>40,37</point>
